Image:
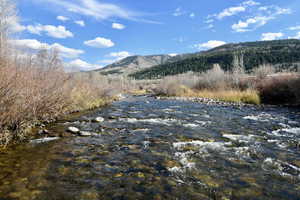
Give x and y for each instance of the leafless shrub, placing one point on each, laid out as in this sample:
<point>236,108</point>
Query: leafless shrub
<point>282,89</point>
<point>264,70</point>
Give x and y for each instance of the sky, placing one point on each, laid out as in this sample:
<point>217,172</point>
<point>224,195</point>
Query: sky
<point>91,34</point>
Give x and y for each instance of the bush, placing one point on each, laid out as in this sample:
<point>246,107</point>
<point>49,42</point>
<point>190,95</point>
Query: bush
<point>282,89</point>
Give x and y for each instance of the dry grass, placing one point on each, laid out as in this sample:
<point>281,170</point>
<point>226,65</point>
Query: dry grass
<point>247,96</point>
<point>262,86</point>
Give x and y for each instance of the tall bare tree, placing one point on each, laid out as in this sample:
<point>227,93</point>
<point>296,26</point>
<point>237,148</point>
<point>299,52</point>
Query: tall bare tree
<point>8,18</point>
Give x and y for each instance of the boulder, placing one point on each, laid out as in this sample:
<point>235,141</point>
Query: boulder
<point>98,119</point>
<point>73,130</point>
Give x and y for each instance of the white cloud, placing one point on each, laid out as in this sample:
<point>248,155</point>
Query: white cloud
<point>115,56</point>
<point>95,9</point>
<point>230,11</point>
<point>118,26</point>
<point>12,24</point>
<point>100,42</point>
<point>192,15</point>
<point>266,14</point>
<point>297,36</point>
<point>250,3</point>
<point>80,23</point>
<point>172,54</point>
<point>234,10</point>
<point>67,52</point>
<point>120,55</point>
<point>210,26</point>
<point>271,36</point>
<point>210,44</point>
<point>294,28</point>
<point>50,30</point>
<point>62,18</point>
<point>251,23</point>
<point>208,21</point>
<point>15,27</point>
<point>80,65</point>
<point>33,44</point>
<point>178,12</point>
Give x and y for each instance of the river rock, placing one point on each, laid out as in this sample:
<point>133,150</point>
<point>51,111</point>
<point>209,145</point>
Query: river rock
<point>43,132</point>
<point>73,130</point>
<point>44,140</point>
<point>98,119</point>
<point>86,133</point>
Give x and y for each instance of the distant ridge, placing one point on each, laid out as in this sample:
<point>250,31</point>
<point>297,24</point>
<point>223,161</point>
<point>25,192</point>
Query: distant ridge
<point>283,54</point>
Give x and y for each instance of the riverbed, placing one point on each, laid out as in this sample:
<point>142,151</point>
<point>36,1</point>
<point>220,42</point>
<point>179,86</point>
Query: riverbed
<point>148,148</point>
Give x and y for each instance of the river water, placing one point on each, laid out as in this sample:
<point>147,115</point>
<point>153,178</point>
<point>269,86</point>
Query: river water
<point>162,149</point>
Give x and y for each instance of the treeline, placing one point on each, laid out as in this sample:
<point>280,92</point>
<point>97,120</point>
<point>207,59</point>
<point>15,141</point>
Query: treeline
<point>282,54</point>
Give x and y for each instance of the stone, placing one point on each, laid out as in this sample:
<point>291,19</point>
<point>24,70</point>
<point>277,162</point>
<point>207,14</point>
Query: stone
<point>73,130</point>
<point>43,132</point>
<point>44,140</point>
<point>98,119</point>
<point>86,133</point>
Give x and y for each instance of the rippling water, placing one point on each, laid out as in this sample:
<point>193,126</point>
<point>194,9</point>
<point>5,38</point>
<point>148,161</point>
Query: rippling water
<point>162,149</point>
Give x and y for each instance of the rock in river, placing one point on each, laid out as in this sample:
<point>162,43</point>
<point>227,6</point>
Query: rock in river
<point>98,119</point>
<point>86,133</point>
<point>73,130</point>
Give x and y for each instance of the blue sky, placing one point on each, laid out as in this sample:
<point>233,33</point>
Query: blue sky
<point>93,33</point>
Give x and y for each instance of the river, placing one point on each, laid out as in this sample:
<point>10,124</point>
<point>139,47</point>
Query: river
<point>148,148</point>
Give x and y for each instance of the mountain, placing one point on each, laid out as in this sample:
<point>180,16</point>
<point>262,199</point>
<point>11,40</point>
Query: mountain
<point>136,63</point>
<point>283,54</point>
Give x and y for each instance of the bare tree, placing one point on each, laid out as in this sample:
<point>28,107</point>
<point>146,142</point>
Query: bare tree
<point>8,18</point>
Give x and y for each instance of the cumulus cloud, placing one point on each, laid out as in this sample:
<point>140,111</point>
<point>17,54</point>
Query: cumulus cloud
<point>118,26</point>
<point>192,15</point>
<point>172,54</point>
<point>234,10</point>
<point>115,56</point>
<point>271,36</point>
<point>250,3</point>
<point>16,27</point>
<point>50,30</point>
<point>252,23</point>
<point>178,12</point>
<point>62,18</point>
<point>80,23</point>
<point>210,44</point>
<point>297,36</point>
<point>293,28</point>
<point>33,44</point>
<point>230,11</point>
<point>80,65</point>
<point>12,24</point>
<point>100,42</point>
<point>119,55</point>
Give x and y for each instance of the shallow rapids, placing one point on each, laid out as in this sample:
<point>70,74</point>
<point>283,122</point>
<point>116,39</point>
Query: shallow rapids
<point>161,149</point>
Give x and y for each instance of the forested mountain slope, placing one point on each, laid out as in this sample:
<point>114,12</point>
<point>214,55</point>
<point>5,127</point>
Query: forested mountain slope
<point>283,54</point>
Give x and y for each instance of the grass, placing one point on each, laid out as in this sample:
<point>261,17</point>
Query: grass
<point>248,96</point>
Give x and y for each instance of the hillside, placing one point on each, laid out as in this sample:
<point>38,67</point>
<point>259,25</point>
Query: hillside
<point>136,63</point>
<point>284,54</point>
